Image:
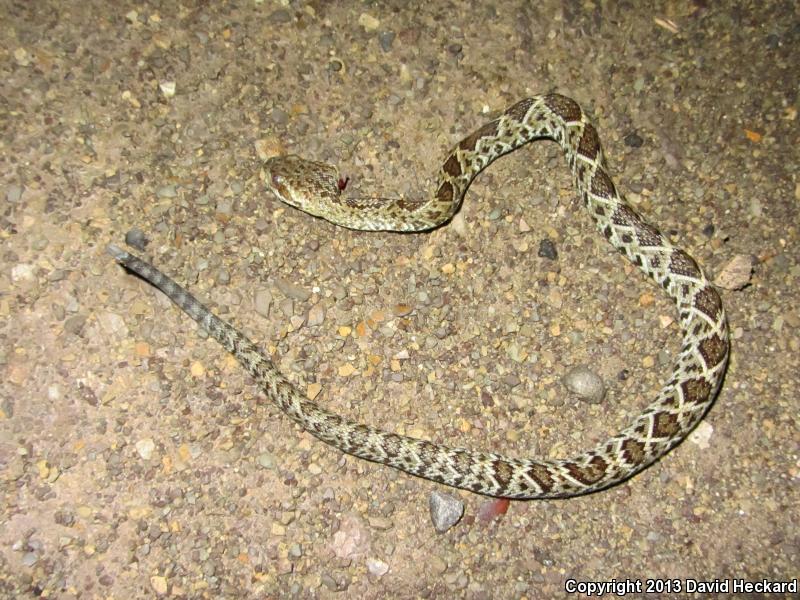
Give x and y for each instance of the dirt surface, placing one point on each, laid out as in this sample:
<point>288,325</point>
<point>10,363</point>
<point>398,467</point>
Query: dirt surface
<point>136,457</point>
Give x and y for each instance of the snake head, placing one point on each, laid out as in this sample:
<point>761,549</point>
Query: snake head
<point>308,185</point>
<point>277,175</point>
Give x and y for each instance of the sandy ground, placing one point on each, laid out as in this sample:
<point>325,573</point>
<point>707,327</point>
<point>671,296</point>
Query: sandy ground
<point>137,459</point>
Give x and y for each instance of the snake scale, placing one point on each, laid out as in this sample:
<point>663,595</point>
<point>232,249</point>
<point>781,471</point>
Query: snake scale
<point>683,400</point>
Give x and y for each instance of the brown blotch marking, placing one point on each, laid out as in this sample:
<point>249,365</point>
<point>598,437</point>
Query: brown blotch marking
<point>602,186</point>
<point>590,473</point>
<point>683,264</point>
<point>665,425</point>
<point>362,429</point>
<point>470,142</point>
<point>713,350</point>
<point>445,192</point>
<point>333,420</point>
<point>462,462</point>
<point>625,215</point>
<point>503,472</point>
<point>589,146</point>
<point>564,107</point>
<point>452,167</point>
<point>392,445</point>
<point>520,109</point>
<point>626,238</point>
<point>696,391</point>
<point>284,389</point>
<point>361,203</point>
<point>670,401</point>
<point>648,235</point>
<point>608,232</point>
<point>409,204</point>
<point>541,476</point>
<point>633,451</point>
<point>708,301</point>
<point>427,452</point>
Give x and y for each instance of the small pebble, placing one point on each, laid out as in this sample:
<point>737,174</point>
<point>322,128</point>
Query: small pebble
<point>329,582</point>
<point>145,448</point>
<point>280,16</point>
<point>377,567</point>
<point>29,559</point>
<point>368,22</point>
<point>585,383</point>
<point>22,272</point>
<point>633,140</point>
<point>455,49</point>
<point>75,324</point>
<point>547,249</point>
<point>13,193</point>
<point>64,517</point>
<point>446,510</point>
<point>167,191</point>
<point>159,584</point>
<point>223,277</point>
<point>511,380</point>
<point>262,301</point>
<point>380,523</point>
<point>773,41</point>
<point>279,116</point>
<point>316,315</point>
<point>167,88</point>
<point>136,238</point>
<point>266,460</point>
<point>386,39</point>
<point>224,207</point>
<point>291,290</point>
<point>736,274</point>
<point>702,435</point>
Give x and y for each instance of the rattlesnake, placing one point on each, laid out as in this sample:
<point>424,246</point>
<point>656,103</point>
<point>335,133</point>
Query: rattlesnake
<point>695,379</point>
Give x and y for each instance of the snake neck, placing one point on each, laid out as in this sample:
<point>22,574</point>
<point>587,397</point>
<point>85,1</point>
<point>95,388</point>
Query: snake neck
<point>551,117</point>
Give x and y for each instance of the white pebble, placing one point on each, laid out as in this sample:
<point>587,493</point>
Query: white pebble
<point>377,567</point>
<point>702,434</point>
<point>22,272</point>
<point>585,383</point>
<point>145,448</point>
<point>167,88</point>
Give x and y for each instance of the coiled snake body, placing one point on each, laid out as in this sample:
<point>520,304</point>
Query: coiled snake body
<point>678,407</point>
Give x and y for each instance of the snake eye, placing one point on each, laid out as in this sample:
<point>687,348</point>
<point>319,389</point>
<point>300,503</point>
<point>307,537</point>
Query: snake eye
<point>278,183</point>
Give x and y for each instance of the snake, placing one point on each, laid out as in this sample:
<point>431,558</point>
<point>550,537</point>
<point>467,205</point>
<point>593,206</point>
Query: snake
<point>697,372</point>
